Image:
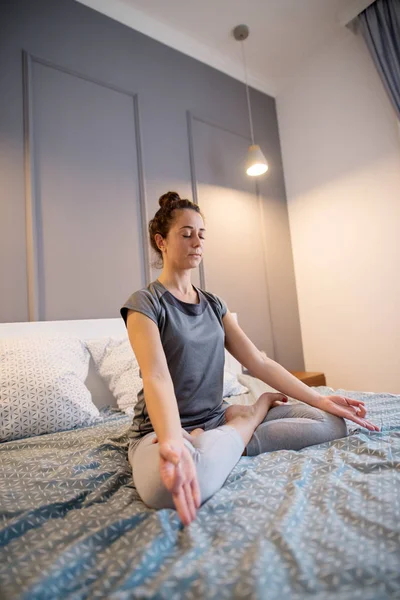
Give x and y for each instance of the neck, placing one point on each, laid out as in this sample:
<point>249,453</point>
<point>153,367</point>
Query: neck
<point>179,281</point>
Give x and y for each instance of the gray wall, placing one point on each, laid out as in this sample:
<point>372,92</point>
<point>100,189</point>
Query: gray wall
<point>98,120</point>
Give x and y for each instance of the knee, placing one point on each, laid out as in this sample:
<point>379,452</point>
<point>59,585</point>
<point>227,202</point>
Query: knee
<point>145,464</point>
<point>154,494</point>
<point>150,487</point>
<point>335,426</point>
<point>211,472</point>
<point>152,491</point>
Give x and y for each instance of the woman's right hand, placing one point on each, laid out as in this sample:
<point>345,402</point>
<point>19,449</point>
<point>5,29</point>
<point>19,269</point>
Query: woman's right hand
<point>179,476</point>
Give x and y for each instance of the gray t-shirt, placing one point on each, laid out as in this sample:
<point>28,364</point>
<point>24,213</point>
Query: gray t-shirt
<point>193,338</point>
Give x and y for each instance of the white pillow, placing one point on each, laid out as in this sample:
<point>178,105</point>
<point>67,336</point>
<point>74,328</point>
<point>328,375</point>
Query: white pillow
<point>116,363</point>
<point>257,387</point>
<point>42,386</point>
<point>232,386</point>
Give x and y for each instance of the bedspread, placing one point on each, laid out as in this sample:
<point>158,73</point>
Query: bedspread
<point>323,522</point>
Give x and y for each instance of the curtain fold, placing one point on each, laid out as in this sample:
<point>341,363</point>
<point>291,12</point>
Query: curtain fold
<point>379,25</point>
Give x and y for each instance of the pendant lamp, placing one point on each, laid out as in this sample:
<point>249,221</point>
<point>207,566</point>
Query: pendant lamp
<point>256,163</point>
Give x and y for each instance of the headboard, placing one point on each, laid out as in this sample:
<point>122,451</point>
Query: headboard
<point>87,329</point>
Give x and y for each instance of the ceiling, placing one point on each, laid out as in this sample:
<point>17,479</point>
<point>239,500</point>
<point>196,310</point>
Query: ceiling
<point>284,34</point>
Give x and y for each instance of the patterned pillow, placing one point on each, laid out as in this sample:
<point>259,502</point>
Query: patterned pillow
<point>116,363</point>
<point>42,386</point>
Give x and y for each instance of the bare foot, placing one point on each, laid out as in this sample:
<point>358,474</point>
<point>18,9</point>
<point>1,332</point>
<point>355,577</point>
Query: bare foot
<point>186,435</point>
<point>196,432</point>
<point>256,411</point>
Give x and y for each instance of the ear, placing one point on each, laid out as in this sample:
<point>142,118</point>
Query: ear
<point>158,238</point>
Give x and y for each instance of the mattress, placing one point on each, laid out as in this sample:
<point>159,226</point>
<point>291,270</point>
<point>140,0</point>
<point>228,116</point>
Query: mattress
<point>322,522</point>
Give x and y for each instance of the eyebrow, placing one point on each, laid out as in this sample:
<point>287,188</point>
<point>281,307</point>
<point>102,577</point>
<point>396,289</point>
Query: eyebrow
<point>190,227</point>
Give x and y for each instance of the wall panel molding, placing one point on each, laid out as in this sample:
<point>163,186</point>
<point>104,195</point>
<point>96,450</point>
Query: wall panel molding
<point>30,195</point>
<point>189,117</point>
<point>31,184</point>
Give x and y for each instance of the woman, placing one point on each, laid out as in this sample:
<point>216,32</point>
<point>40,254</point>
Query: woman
<point>185,439</point>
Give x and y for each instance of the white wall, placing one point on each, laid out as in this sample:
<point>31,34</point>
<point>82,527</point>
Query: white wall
<point>341,155</point>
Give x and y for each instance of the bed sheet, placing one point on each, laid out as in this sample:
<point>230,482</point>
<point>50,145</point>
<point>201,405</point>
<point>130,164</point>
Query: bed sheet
<point>321,523</point>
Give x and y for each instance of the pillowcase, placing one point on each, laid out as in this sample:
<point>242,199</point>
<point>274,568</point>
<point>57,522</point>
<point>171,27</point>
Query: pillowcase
<point>257,387</point>
<point>42,386</point>
<point>232,386</point>
<point>116,364</point>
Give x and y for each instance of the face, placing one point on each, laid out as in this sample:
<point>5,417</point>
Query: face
<point>184,244</point>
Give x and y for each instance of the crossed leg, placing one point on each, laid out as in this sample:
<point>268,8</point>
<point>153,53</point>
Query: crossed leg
<point>293,427</point>
<point>289,427</point>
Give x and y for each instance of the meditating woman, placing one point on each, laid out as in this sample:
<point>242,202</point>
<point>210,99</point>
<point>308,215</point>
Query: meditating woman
<point>185,439</point>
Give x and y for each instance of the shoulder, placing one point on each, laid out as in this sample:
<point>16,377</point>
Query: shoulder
<point>147,294</point>
<point>217,303</point>
<point>145,301</point>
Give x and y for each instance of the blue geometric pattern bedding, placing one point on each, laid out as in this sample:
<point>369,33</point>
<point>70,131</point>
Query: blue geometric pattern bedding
<point>321,523</point>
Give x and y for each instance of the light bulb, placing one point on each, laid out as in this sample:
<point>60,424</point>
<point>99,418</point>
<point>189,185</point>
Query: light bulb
<point>257,169</point>
<point>256,162</point>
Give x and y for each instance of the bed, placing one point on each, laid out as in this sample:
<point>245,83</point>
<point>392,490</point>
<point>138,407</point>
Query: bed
<point>323,522</point>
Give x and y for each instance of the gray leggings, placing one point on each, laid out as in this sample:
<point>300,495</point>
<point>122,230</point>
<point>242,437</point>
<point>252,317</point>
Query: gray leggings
<point>216,451</point>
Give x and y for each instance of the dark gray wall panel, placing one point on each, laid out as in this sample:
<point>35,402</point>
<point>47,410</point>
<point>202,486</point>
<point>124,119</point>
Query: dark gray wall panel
<point>85,173</point>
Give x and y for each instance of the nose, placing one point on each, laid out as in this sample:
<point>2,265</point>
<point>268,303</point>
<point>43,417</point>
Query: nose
<point>198,241</point>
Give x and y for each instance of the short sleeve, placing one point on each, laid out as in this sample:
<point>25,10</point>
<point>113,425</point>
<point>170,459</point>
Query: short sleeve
<point>141,301</point>
<point>219,305</point>
<point>222,306</point>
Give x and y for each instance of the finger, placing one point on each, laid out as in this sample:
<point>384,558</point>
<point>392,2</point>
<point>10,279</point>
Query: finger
<point>171,475</point>
<point>356,406</point>
<point>189,501</point>
<point>278,403</point>
<point>372,426</point>
<point>355,411</point>
<point>181,506</point>
<point>167,472</point>
<point>178,479</point>
<point>354,402</point>
<point>196,491</point>
<point>376,428</point>
<point>364,423</point>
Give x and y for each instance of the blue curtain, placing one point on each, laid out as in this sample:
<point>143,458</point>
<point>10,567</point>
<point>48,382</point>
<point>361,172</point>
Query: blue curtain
<point>380,26</point>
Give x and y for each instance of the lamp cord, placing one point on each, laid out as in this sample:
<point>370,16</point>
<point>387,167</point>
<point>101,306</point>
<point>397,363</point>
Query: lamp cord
<point>247,94</point>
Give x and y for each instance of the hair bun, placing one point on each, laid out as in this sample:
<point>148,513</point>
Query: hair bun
<point>168,199</point>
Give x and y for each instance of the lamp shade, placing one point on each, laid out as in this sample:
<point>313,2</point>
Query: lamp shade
<point>256,162</point>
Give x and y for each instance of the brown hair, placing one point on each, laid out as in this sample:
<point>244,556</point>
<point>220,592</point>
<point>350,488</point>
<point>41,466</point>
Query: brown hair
<point>164,218</point>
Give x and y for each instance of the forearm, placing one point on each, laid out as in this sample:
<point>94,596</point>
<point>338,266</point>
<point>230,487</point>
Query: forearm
<point>163,409</point>
<point>280,379</point>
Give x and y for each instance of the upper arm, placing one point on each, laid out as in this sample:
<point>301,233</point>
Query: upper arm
<point>239,345</point>
<point>144,337</point>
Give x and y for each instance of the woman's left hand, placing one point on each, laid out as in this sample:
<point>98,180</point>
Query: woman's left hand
<point>354,410</point>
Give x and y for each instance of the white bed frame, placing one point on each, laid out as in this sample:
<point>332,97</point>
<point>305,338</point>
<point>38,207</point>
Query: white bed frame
<point>87,329</point>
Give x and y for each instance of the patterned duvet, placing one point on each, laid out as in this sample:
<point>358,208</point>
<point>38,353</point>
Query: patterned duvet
<point>320,523</point>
